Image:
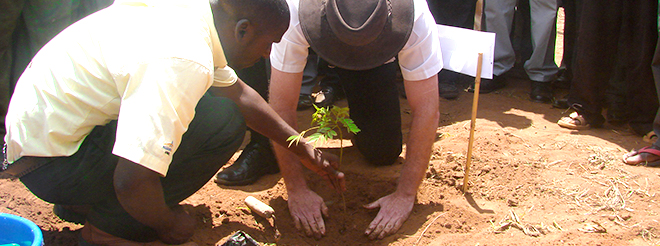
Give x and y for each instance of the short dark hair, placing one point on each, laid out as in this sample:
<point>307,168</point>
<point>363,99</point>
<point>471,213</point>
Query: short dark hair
<point>261,11</point>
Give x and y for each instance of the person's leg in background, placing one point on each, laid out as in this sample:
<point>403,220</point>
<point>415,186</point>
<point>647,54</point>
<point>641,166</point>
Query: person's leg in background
<point>310,75</point>
<point>639,28</point>
<point>330,87</point>
<point>318,72</point>
<point>655,68</point>
<point>459,13</point>
<point>499,19</point>
<point>594,61</point>
<point>27,25</point>
<point>88,7</point>
<point>11,12</point>
<point>651,155</point>
<point>572,9</point>
<point>43,20</point>
<point>257,158</point>
<point>571,27</point>
<point>541,67</point>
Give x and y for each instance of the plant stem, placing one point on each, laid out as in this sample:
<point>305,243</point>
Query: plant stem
<point>341,155</point>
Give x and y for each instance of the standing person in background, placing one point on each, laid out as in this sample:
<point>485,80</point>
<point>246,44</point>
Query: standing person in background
<point>650,155</point>
<point>459,13</point>
<point>25,27</point>
<point>572,9</point>
<point>318,72</point>
<point>540,67</point>
<point>614,33</point>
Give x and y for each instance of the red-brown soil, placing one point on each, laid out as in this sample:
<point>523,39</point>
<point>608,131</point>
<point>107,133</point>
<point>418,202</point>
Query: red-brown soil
<point>531,183</point>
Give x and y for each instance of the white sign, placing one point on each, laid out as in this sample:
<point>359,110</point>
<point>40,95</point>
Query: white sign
<point>461,47</point>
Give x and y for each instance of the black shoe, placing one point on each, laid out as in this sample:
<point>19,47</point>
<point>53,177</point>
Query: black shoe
<point>256,161</point>
<point>76,214</point>
<point>326,97</point>
<point>448,90</point>
<point>304,101</point>
<point>541,92</point>
<point>561,103</point>
<point>489,85</point>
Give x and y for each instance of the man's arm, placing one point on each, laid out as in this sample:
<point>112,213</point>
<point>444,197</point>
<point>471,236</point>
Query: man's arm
<point>394,208</point>
<point>140,193</point>
<point>305,206</point>
<point>262,118</point>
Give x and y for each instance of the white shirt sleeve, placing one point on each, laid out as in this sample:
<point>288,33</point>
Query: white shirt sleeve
<point>158,103</point>
<point>290,54</point>
<point>421,57</point>
<point>224,77</point>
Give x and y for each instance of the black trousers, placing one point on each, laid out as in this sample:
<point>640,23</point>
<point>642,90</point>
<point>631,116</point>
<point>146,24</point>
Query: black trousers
<point>655,67</point>
<point>373,100</point>
<point>86,178</point>
<point>615,33</point>
<point>572,9</point>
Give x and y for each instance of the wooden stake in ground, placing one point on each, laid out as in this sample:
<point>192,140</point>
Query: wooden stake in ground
<point>475,102</point>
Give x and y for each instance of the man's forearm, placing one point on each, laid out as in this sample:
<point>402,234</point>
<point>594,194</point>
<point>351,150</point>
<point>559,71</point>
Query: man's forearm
<point>418,153</point>
<point>140,193</point>
<point>290,166</point>
<point>424,104</point>
<point>260,116</point>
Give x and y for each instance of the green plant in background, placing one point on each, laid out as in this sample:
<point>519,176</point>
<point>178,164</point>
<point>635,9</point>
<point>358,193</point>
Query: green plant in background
<point>327,123</point>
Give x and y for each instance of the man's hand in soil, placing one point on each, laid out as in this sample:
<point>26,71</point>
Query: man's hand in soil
<point>394,210</point>
<point>307,208</point>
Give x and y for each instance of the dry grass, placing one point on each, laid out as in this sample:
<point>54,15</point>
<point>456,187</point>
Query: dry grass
<point>513,220</point>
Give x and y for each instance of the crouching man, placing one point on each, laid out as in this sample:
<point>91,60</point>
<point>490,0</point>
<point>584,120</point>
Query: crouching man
<point>134,108</point>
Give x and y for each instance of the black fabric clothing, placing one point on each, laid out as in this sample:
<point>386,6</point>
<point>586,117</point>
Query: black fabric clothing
<point>655,67</point>
<point>86,178</point>
<point>373,99</point>
<point>609,30</point>
<point>458,13</point>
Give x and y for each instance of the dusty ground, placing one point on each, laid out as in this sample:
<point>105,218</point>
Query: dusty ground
<point>531,183</point>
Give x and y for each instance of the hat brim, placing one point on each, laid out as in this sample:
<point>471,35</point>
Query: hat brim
<point>327,45</point>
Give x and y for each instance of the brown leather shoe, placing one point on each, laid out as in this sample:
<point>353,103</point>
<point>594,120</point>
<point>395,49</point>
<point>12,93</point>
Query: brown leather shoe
<point>90,235</point>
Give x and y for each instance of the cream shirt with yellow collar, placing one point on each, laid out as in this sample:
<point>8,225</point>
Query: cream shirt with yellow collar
<point>145,64</point>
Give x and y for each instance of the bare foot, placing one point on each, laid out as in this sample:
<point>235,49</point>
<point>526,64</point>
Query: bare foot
<point>647,156</point>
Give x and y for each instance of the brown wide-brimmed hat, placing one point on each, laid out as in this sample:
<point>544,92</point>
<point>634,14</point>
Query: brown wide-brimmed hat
<point>356,34</point>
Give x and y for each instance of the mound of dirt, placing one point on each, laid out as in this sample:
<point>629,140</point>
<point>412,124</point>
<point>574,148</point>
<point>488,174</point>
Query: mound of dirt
<point>531,183</point>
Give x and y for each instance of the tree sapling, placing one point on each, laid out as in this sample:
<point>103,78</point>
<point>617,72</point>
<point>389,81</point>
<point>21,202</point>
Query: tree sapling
<point>327,123</point>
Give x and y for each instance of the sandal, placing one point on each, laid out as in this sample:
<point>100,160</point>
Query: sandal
<point>574,121</point>
<point>650,137</point>
<point>647,150</point>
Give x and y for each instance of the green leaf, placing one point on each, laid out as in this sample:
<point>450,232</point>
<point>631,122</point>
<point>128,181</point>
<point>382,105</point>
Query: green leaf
<point>294,139</point>
<point>316,138</point>
<point>324,129</point>
<point>330,134</point>
<point>350,125</point>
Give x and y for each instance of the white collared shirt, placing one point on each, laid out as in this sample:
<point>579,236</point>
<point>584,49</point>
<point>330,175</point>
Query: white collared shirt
<point>419,59</point>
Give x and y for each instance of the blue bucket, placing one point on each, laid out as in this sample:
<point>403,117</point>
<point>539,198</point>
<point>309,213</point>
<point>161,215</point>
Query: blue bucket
<point>19,231</point>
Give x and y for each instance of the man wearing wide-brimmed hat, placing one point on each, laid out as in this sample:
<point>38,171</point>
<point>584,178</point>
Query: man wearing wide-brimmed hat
<point>362,39</point>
